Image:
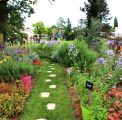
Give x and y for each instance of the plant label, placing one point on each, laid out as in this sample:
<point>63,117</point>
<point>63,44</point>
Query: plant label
<point>89,85</point>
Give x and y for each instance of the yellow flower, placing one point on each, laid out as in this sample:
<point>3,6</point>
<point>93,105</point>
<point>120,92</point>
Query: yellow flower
<point>1,61</point>
<point>7,57</point>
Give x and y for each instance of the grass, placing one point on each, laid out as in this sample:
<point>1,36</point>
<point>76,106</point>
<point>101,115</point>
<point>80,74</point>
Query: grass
<point>35,107</point>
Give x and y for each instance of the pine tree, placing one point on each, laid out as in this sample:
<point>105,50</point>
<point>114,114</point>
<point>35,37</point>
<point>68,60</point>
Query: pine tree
<point>115,22</point>
<point>97,9</point>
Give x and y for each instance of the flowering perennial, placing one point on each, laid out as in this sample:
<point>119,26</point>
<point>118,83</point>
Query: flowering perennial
<point>73,52</point>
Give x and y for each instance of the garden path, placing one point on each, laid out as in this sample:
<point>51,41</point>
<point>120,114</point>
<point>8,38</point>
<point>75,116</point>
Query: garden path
<point>49,99</point>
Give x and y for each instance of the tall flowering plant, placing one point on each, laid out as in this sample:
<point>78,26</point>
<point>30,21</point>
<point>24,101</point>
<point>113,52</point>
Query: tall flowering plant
<point>73,53</point>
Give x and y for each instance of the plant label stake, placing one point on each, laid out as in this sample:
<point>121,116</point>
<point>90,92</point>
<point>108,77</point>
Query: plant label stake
<point>89,86</point>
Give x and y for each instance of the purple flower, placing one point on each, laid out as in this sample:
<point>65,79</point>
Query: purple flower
<point>52,42</point>
<point>110,42</point>
<point>2,46</point>
<point>101,60</point>
<point>42,42</point>
<point>110,52</point>
<point>19,51</point>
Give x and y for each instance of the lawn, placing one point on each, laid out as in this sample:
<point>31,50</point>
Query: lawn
<point>35,107</point>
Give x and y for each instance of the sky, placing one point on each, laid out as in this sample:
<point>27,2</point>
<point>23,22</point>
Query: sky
<point>49,14</point>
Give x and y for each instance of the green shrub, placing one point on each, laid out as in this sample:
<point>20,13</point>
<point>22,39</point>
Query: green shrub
<point>12,70</point>
<point>85,55</point>
<point>62,55</point>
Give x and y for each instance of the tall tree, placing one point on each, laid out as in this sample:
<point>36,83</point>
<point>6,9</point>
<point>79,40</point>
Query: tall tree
<point>69,25</point>
<point>97,9</point>
<point>115,22</point>
<point>22,7</point>
<point>39,28</point>
<point>61,24</point>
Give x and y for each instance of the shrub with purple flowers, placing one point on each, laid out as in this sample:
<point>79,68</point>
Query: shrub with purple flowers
<point>101,60</point>
<point>42,42</point>
<point>110,52</point>
<point>52,42</point>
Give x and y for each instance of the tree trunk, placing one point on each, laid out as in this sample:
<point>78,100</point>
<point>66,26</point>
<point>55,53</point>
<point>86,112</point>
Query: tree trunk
<point>3,12</point>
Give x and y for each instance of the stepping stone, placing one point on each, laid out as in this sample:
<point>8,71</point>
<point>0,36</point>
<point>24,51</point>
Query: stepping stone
<point>51,106</point>
<point>48,80</point>
<point>52,75</point>
<point>41,119</point>
<point>45,94</point>
<point>52,86</point>
<point>52,68</point>
<point>51,64</point>
<point>49,71</point>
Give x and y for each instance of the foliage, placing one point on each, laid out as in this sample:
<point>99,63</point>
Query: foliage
<point>11,70</point>
<point>12,99</point>
<point>39,28</point>
<point>62,55</point>
<point>48,31</point>
<point>45,50</point>
<point>115,22</point>
<point>97,9</point>
<point>13,14</point>
<point>94,31</point>
<point>61,24</point>
<point>85,55</point>
<point>106,28</point>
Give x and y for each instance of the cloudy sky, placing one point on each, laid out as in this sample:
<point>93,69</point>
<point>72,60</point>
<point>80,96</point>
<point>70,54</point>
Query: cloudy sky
<point>49,14</point>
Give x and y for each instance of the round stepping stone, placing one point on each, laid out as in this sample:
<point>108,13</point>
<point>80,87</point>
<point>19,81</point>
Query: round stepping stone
<point>51,64</point>
<point>41,119</point>
<point>52,75</point>
<point>45,94</point>
<point>51,106</point>
<point>52,86</point>
<point>49,71</point>
<point>52,68</point>
<point>48,80</point>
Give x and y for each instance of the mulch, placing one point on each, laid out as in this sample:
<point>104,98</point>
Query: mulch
<point>75,100</point>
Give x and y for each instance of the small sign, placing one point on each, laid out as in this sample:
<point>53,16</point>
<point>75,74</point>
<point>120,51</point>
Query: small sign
<point>89,85</point>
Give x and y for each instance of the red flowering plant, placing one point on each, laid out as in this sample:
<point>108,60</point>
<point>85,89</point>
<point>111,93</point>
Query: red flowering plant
<point>115,111</point>
<point>26,81</point>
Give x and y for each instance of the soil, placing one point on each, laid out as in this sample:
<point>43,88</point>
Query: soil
<point>75,100</point>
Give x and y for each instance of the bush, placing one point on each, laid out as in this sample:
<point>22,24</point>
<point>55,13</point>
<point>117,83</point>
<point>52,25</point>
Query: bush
<point>85,55</point>
<point>12,100</point>
<point>62,55</point>
<point>12,70</point>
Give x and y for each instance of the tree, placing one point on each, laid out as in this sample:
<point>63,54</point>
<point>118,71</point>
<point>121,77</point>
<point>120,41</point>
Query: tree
<point>97,9</point>
<point>115,22</point>
<point>39,28</point>
<point>61,25</point>
<point>69,34</point>
<point>48,31</point>
<point>13,13</point>
<point>69,25</point>
<point>94,31</point>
